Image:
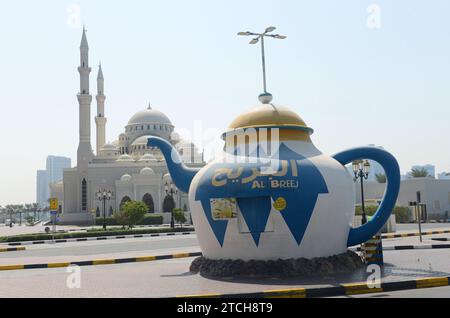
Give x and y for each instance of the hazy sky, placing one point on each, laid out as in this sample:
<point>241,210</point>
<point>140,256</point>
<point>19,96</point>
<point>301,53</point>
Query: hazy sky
<point>353,84</point>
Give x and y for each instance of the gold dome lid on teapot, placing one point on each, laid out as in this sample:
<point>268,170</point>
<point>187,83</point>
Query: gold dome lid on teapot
<point>267,115</point>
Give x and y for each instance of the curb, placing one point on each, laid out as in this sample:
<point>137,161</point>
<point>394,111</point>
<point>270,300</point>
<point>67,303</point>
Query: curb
<point>389,236</point>
<point>442,239</point>
<point>405,247</point>
<point>341,290</point>
<point>12,249</point>
<point>97,238</point>
<point>101,261</point>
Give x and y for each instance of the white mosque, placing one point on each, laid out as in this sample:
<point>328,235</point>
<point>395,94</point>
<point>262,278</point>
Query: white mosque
<point>127,167</point>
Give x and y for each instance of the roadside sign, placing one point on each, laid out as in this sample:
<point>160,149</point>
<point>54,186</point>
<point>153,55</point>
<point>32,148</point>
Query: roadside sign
<point>54,204</point>
<point>54,209</point>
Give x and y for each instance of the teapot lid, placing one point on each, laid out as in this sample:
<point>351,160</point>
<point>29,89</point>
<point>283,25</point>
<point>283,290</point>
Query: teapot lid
<point>268,115</point>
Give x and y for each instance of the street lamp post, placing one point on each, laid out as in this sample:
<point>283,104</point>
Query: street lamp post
<point>170,191</point>
<point>361,171</point>
<point>104,195</point>
<point>260,37</point>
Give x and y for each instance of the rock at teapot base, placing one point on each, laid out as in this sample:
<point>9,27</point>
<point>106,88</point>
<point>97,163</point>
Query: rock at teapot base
<point>338,264</point>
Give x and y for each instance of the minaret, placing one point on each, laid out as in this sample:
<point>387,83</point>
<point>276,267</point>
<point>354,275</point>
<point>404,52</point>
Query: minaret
<point>84,154</point>
<point>100,119</point>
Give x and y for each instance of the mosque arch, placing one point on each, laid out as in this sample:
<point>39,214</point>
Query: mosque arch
<point>124,200</point>
<point>84,195</point>
<point>148,200</point>
<point>168,204</point>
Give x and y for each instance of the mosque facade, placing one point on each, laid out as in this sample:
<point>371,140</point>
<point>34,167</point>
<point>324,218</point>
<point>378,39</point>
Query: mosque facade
<point>126,167</point>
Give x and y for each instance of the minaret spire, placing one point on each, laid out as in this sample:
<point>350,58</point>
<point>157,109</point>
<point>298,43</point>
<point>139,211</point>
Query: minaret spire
<point>84,101</point>
<point>84,68</point>
<point>100,119</point>
<point>84,43</point>
<point>84,153</point>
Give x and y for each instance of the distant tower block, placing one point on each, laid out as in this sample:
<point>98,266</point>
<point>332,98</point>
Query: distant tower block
<point>100,119</point>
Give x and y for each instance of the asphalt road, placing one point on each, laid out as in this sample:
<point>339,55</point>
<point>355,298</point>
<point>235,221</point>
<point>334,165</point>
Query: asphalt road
<point>114,248</point>
<point>168,278</point>
<point>171,278</point>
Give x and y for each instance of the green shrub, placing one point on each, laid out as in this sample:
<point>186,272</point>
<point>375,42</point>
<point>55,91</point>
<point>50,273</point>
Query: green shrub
<point>108,221</point>
<point>179,216</point>
<point>401,212</point>
<point>94,233</point>
<point>148,219</point>
<point>131,213</point>
<point>29,220</point>
<point>151,220</point>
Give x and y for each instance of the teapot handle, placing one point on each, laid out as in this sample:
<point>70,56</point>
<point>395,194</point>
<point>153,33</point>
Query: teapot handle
<point>366,231</point>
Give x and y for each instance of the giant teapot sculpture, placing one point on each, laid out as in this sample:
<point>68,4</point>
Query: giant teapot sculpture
<point>273,195</point>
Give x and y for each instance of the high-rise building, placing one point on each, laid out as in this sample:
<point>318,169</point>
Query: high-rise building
<point>42,189</point>
<point>55,166</point>
<point>53,173</point>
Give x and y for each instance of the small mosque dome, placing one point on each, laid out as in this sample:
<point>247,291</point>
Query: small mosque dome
<point>108,147</point>
<point>147,171</point>
<point>126,177</point>
<point>148,157</point>
<point>175,136</point>
<point>125,158</point>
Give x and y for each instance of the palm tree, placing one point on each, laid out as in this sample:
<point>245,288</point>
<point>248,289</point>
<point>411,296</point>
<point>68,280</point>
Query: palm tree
<point>10,208</point>
<point>419,173</point>
<point>34,208</point>
<point>20,208</point>
<point>381,177</point>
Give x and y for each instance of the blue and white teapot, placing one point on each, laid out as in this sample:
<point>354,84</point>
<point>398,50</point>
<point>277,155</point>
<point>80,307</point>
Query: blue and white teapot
<point>273,195</point>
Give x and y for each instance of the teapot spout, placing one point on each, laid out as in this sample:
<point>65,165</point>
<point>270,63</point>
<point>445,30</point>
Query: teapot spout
<point>181,175</point>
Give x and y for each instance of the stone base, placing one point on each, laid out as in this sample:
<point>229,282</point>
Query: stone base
<point>344,263</point>
<point>80,219</point>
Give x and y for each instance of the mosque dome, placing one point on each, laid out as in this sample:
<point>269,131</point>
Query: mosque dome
<point>108,147</point>
<point>147,171</point>
<point>148,157</point>
<point>149,116</point>
<point>125,157</point>
<point>141,140</point>
<point>125,177</point>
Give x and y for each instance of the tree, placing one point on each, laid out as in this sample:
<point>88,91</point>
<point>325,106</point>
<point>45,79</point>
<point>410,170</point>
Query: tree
<point>121,218</point>
<point>30,220</point>
<point>179,216</point>
<point>381,177</point>
<point>131,213</point>
<point>419,173</point>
